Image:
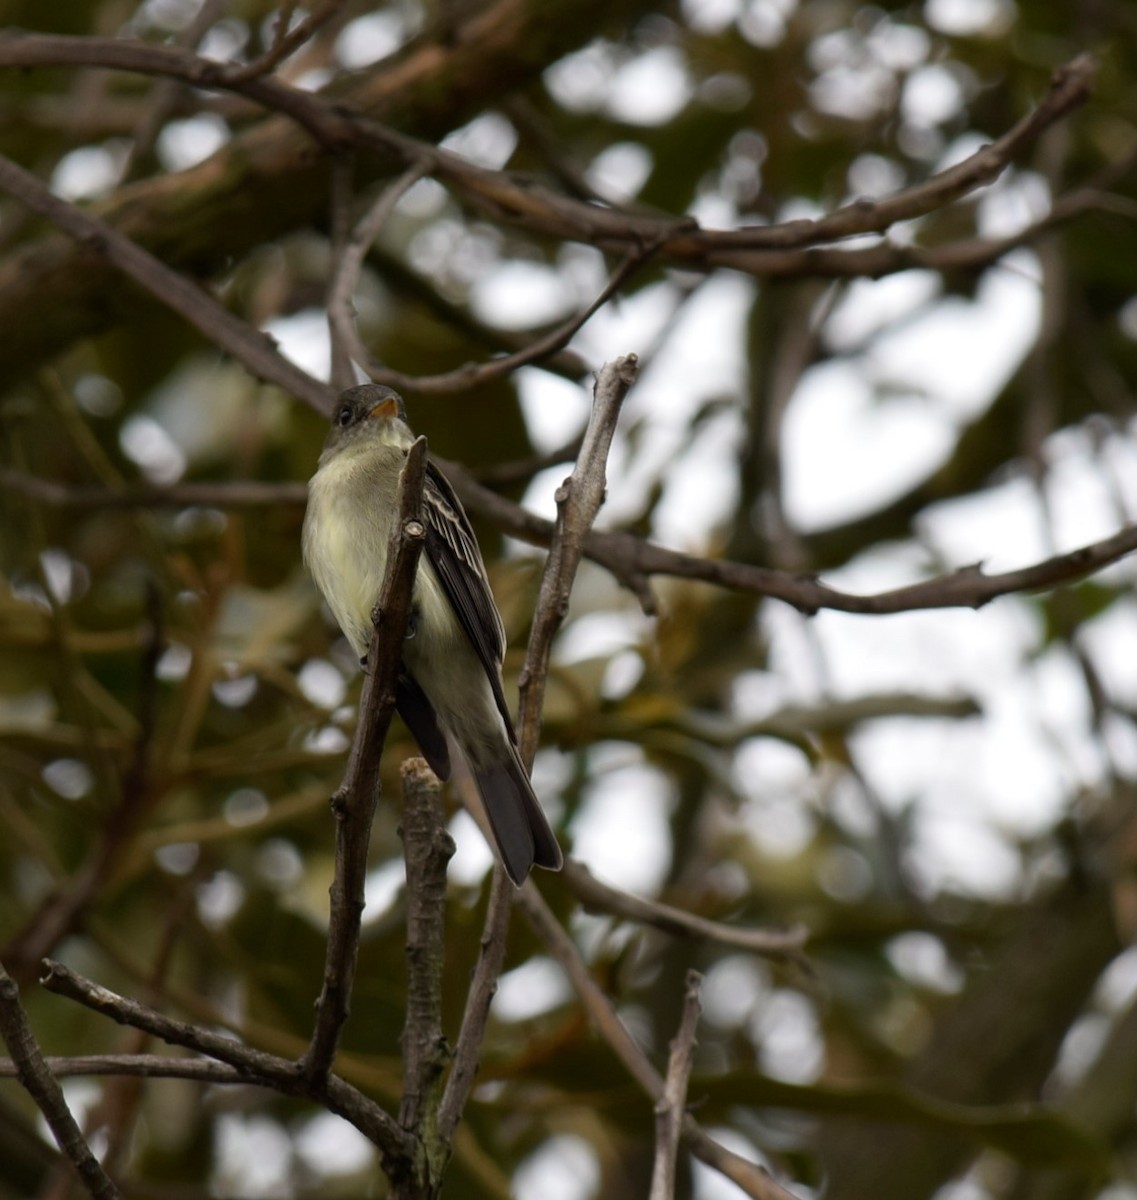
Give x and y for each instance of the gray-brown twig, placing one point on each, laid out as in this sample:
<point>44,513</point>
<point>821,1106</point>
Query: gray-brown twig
<point>753,1180</point>
<point>428,848</point>
<point>255,1066</point>
<point>355,800</point>
<point>35,1074</point>
<point>671,1106</point>
<point>578,501</point>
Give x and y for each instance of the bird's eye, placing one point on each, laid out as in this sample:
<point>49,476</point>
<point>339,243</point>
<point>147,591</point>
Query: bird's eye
<point>343,417</point>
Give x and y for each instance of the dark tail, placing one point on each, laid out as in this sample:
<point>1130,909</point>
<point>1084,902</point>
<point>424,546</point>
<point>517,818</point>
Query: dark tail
<point>520,829</point>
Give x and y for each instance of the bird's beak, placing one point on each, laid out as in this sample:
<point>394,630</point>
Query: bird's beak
<point>388,407</point>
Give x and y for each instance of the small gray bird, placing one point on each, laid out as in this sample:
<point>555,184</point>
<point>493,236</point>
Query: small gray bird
<point>450,682</point>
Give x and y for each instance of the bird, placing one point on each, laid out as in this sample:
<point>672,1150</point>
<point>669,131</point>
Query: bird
<point>449,688</point>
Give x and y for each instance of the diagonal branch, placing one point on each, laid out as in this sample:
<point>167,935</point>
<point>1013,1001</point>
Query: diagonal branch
<point>670,1107</point>
<point>752,1179</point>
<point>578,501</point>
<point>355,799</point>
<point>254,349</point>
<point>428,848</point>
<point>256,1066</point>
<point>35,1074</point>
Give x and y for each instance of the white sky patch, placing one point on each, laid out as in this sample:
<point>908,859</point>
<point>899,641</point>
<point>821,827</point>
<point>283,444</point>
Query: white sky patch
<point>845,453</point>
<point>472,854</point>
<point>374,36</point>
<point>711,16</point>
<point>1016,201</point>
<point>968,18</point>
<point>383,886</point>
<point>183,144</point>
<point>579,81</point>
<point>564,1167</point>
<point>304,339</point>
<point>252,1157</point>
<point>152,449</point>
<point>869,306</point>
<point>322,683</point>
<point>784,1028</point>
<point>620,170</point>
<point>328,1145</point>
<point>488,141</point>
<point>89,172</point>
<point>650,89</point>
<point>848,451</point>
<point>950,852</point>
<point>520,295</point>
<point>932,95</point>
<point>702,488</point>
<point>621,830</point>
<point>1111,639</point>
<point>535,987</point>
<point>555,409</point>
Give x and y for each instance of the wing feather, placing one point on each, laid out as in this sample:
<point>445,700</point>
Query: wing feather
<point>453,552</point>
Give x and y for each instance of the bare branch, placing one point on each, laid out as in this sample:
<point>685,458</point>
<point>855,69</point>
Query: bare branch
<point>473,375</point>
<point>483,985</point>
<point>670,1107</point>
<point>34,1073</point>
<point>428,847</point>
<point>597,896</point>
<point>249,346</point>
<point>633,561</point>
<point>578,501</point>
<point>753,1180</point>
<point>147,1066</point>
<point>355,800</point>
<point>180,495</point>
<point>285,42</point>
<point>346,341</point>
<point>256,1066</point>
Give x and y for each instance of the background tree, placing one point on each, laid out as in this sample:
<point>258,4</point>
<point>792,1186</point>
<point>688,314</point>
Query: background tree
<point>874,264</point>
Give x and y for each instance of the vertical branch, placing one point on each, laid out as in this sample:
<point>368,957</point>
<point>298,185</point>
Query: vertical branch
<point>37,1079</point>
<point>346,342</point>
<point>670,1107</point>
<point>355,800</point>
<point>578,501</point>
<point>428,848</point>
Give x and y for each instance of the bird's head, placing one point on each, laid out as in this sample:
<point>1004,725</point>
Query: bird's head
<point>367,412</point>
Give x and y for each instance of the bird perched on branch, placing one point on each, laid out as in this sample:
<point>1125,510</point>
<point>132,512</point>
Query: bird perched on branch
<point>449,686</point>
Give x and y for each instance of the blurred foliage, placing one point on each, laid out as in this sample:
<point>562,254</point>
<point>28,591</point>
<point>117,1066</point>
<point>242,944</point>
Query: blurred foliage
<point>174,705</point>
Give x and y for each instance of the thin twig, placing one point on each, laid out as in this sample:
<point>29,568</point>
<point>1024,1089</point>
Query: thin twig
<point>285,42</point>
<point>34,1073</point>
<point>633,561</point>
<point>670,1107</point>
<point>483,985</point>
<point>346,342</point>
<point>578,501</point>
<point>146,1066</point>
<point>257,1066</point>
<point>355,799</point>
<point>245,493</point>
<point>596,896</point>
<point>249,346</point>
<point>753,1180</point>
<point>792,247</point>
<point>472,375</point>
<point>583,493</point>
<point>428,847</point>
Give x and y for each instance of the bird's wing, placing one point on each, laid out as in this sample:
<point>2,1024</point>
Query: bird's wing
<point>453,552</point>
